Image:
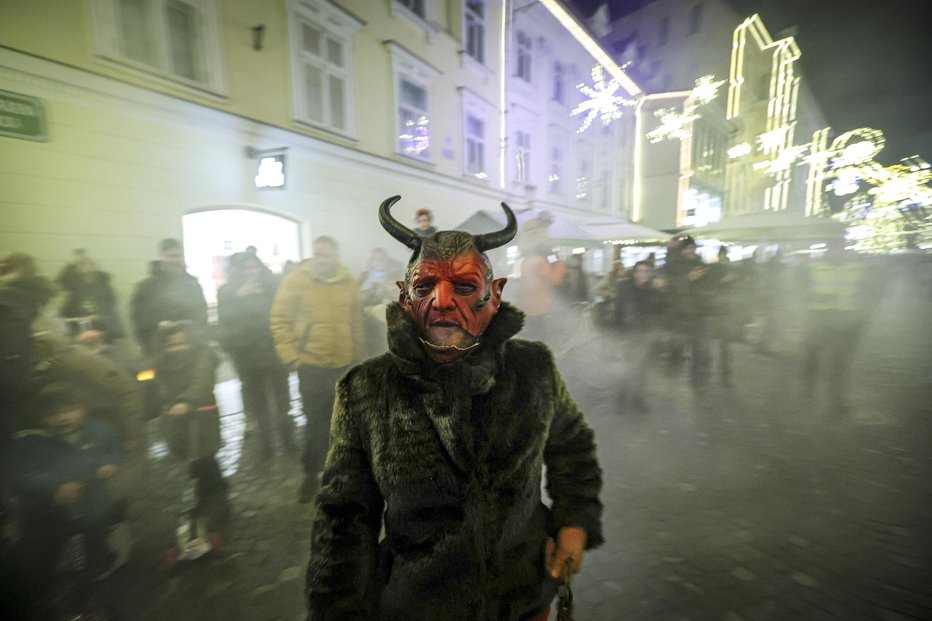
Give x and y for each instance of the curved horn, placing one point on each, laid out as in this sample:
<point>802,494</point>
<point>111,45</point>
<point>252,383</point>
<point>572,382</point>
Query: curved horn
<point>487,241</point>
<point>395,228</point>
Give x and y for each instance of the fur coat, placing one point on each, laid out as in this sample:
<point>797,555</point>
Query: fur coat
<point>450,457</point>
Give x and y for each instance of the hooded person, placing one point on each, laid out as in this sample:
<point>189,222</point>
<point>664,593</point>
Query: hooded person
<point>442,442</point>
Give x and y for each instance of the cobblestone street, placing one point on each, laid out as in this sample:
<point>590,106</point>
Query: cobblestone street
<point>748,503</point>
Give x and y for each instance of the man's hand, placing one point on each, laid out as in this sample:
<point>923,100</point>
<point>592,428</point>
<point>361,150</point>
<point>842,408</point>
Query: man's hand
<point>67,493</point>
<point>696,273</point>
<point>179,409</point>
<point>564,556</point>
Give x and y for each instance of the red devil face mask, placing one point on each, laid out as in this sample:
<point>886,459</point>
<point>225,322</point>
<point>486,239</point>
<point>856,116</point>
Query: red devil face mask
<point>451,303</point>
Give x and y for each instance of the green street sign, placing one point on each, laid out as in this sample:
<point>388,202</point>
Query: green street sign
<point>22,117</point>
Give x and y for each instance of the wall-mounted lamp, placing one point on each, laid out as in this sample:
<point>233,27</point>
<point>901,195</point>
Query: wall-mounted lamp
<point>270,167</point>
<point>258,36</point>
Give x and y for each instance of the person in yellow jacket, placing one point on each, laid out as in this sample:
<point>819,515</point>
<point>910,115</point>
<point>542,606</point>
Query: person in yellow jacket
<point>317,324</point>
<point>836,315</point>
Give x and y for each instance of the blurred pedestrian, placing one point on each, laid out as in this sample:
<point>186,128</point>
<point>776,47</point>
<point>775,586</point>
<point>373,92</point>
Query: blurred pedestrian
<point>575,285</point>
<point>244,304</point>
<point>640,305</point>
<point>186,371</point>
<point>61,463</point>
<point>378,288</point>
<point>169,293</point>
<point>90,304</point>
<point>541,272</point>
<point>316,321</point>
<point>727,310</point>
<point>431,500</point>
<point>770,300</point>
<point>424,219</point>
<point>689,293</point>
<point>837,311</point>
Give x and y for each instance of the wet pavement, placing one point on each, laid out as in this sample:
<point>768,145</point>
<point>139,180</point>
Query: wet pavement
<point>743,503</point>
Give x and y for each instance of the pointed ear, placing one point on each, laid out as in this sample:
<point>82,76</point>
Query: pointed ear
<point>498,285</point>
<point>402,292</point>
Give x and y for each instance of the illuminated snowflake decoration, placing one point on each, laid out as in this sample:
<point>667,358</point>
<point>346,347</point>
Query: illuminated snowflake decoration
<point>706,89</point>
<point>674,125</point>
<point>601,100</point>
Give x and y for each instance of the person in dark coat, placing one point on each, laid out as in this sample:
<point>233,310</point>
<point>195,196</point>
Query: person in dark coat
<point>442,441</point>
<point>243,306</point>
<point>168,294</point>
<point>62,462</point>
<point>186,371</point>
<point>689,290</point>
<point>640,308</point>
<point>89,302</point>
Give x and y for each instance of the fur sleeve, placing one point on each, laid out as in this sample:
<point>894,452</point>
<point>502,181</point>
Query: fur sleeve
<point>574,478</point>
<point>341,583</point>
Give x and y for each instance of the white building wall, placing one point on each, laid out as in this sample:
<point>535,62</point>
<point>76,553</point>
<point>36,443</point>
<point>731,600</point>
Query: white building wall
<point>123,165</point>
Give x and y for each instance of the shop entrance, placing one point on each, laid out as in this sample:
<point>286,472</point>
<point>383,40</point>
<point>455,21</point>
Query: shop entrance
<point>211,236</point>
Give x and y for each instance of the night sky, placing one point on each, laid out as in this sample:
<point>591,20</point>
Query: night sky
<point>868,63</point>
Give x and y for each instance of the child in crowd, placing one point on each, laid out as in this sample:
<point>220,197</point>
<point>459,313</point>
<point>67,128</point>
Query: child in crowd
<point>186,372</point>
<point>62,464</point>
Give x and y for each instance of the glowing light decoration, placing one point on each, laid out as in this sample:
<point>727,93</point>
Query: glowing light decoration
<point>602,100</point>
<point>783,88</point>
<point>415,139</point>
<point>706,89</point>
<point>890,206</point>
<point>674,124</point>
<point>739,150</point>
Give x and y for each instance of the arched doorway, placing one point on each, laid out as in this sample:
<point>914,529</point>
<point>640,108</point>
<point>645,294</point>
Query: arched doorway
<point>212,235</point>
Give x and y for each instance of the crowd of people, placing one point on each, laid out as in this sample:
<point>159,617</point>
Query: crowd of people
<point>75,418</point>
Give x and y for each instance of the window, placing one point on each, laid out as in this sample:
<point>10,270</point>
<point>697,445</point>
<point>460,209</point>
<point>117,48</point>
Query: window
<point>663,31</point>
<point>475,147</point>
<point>416,12</point>
<point>176,39</point>
<point>474,27</point>
<point>413,80</point>
<point>415,6</point>
<point>523,157</point>
<point>603,188</point>
<point>559,82</point>
<point>523,70</point>
<point>584,170</point>
<point>557,164</point>
<point>695,18</point>
<point>476,116</point>
<point>321,50</point>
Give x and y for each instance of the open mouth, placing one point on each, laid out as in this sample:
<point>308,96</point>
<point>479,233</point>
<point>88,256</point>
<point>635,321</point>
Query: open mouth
<point>444,324</point>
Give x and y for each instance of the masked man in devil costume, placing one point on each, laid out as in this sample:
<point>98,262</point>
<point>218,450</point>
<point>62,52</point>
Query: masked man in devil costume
<point>443,441</point>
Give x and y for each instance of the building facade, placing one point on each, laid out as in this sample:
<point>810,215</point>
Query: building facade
<point>235,123</point>
<point>740,153</point>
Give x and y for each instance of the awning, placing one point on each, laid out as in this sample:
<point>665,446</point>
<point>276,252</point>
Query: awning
<point>624,232</point>
<point>769,226</point>
<point>561,229</point>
